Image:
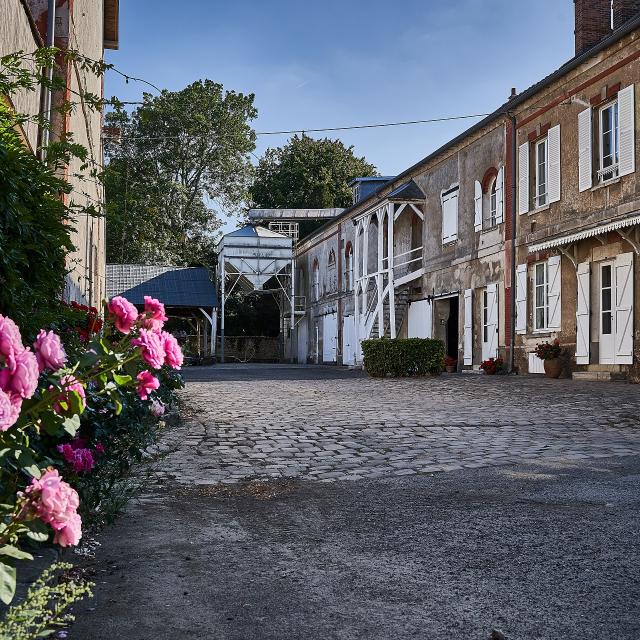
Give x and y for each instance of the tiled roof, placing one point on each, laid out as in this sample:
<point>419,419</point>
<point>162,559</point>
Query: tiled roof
<point>407,191</point>
<point>173,286</point>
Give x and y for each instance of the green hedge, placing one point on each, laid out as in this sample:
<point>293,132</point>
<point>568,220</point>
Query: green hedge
<point>403,357</point>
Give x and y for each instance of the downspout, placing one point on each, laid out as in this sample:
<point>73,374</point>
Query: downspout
<point>46,110</point>
<point>514,149</point>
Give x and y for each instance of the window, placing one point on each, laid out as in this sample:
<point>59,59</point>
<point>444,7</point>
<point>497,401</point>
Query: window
<point>332,280</point>
<point>606,299</point>
<point>493,204</point>
<point>609,141</point>
<point>541,296</point>
<point>541,157</point>
<point>316,281</point>
<point>485,316</point>
<point>449,215</point>
<point>348,267</point>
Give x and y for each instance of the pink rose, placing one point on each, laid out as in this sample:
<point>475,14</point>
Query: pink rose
<point>147,383</point>
<point>49,351</point>
<point>152,346</point>
<point>123,314</point>
<point>69,383</point>
<point>80,459</point>
<point>157,408</point>
<point>21,376</point>
<point>56,503</point>
<point>174,356</point>
<point>9,410</point>
<point>10,338</point>
<point>154,314</point>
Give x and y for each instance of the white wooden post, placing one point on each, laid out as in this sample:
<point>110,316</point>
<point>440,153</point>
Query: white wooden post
<point>379,275</point>
<point>392,297</point>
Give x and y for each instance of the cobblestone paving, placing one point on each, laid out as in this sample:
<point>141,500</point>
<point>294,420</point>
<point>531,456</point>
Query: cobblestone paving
<point>330,424</point>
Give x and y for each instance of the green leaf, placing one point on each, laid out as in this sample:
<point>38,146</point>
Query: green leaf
<point>71,425</point>
<point>121,380</point>
<point>14,552</point>
<point>75,402</point>
<point>28,464</point>
<point>88,359</point>
<point>7,582</point>
<point>37,536</point>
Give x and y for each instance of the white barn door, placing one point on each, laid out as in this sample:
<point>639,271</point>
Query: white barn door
<point>329,337</point>
<point>583,313</point>
<point>420,319</point>
<point>468,326</point>
<point>348,340</point>
<point>624,308</point>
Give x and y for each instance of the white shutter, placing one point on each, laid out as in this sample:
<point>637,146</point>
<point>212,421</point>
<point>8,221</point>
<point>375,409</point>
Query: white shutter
<point>477,202</point>
<point>500,196</point>
<point>492,329</point>
<point>521,298</point>
<point>329,337</point>
<point>450,217</point>
<point>584,150</point>
<point>624,308</point>
<point>523,178</point>
<point>420,319</point>
<point>554,276</point>
<point>626,115</point>
<point>553,142</point>
<point>582,314</point>
<point>468,326</point>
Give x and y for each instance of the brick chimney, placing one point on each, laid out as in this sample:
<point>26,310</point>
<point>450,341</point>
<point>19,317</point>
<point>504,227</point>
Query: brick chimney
<point>593,23</point>
<point>624,10</point>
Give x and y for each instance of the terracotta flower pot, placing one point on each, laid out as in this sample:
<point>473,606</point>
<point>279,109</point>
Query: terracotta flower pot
<point>553,368</point>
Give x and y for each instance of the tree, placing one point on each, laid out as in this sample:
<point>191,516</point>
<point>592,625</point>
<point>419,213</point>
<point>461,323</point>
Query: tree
<point>308,173</point>
<point>169,162</point>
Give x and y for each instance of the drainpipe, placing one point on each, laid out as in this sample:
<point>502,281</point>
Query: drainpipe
<point>51,28</point>
<point>514,218</point>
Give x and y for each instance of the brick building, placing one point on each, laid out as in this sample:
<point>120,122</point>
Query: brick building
<point>89,28</point>
<point>552,173</point>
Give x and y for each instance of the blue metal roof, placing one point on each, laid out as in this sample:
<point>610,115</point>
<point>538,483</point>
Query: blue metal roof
<point>173,286</point>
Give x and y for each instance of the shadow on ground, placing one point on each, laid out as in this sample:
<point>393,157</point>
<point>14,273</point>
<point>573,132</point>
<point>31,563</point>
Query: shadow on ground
<point>542,552</point>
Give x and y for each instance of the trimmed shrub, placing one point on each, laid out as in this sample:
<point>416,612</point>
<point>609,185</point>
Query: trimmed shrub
<point>401,357</point>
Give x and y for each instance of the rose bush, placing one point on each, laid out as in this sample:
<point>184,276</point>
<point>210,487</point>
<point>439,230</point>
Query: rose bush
<point>77,408</point>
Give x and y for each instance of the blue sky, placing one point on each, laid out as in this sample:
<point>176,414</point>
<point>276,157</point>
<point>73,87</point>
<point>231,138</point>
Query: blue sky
<point>336,63</point>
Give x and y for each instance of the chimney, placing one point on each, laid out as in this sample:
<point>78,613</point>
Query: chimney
<point>624,10</point>
<point>593,23</point>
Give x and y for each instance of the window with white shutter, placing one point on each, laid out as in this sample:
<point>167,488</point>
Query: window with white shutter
<point>477,204</point>
<point>500,196</point>
<point>627,145</point>
<point>554,265</point>
<point>583,313</point>
<point>450,215</point>
<point>523,178</point>
<point>468,326</point>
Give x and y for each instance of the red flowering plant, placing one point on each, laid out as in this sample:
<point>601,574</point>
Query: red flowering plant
<point>548,350</point>
<point>492,366</point>
<point>45,397</point>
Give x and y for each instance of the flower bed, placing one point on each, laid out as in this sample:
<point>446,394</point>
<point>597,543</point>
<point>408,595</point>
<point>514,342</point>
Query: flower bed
<point>77,408</point>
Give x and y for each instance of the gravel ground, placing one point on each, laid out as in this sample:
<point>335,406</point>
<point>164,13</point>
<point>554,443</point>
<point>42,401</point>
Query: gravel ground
<point>539,551</point>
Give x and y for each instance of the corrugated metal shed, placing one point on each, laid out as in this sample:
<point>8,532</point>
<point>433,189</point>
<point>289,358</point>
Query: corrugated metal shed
<point>173,286</point>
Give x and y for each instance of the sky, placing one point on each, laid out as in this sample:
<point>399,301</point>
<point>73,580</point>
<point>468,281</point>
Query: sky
<point>341,63</point>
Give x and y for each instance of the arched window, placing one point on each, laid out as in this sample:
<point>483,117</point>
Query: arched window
<point>348,267</point>
<point>316,280</point>
<point>332,279</point>
<point>493,203</point>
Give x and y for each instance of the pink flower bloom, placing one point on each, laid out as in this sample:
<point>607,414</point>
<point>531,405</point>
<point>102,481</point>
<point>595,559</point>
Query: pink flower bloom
<point>80,459</point>
<point>99,448</point>
<point>9,410</point>
<point>69,383</point>
<point>154,314</point>
<point>174,356</point>
<point>10,338</point>
<point>147,383</point>
<point>157,408</point>
<point>55,502</point>
<point>152,346</point>
<point>49,351</point>
<point>21,376</point>
<point>123,314</point>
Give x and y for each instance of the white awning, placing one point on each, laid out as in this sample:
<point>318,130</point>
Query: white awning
<point>586,233</point>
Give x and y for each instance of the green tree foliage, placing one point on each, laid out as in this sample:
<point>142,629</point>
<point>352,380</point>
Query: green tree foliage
<point>308,173</point>
<point>177,156</point>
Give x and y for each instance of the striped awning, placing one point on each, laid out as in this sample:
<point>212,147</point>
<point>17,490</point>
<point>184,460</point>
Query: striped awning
<point>585,233</point>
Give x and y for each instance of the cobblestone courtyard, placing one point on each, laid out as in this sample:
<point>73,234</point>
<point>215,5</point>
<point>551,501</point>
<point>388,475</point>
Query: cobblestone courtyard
<point>314,503</point>
<point>331,424</point>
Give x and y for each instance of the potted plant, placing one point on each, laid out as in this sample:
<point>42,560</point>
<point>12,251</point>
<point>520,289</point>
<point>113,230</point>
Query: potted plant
<point>450,364</point>
<point>549,353</point>
<point>493,366</point>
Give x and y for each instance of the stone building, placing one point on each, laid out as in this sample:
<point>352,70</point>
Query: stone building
<point>88,28</point>
<point>431,252</point>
